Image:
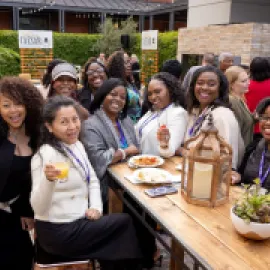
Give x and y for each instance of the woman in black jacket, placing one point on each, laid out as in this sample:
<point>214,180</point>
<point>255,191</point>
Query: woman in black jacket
<point>20,117</point>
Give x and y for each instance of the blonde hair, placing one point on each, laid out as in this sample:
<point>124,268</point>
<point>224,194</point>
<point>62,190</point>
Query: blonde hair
<point>232,74</point>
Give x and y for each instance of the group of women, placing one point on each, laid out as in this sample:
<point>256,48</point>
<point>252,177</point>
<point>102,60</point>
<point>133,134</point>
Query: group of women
<point>93,128</point>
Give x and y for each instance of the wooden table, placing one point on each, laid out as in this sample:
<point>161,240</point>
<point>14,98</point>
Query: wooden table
<point>207,234</point>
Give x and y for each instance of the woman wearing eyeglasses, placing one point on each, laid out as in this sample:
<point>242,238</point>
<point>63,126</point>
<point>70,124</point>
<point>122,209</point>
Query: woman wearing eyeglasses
<point>256,161</point>
<point>94,76</point>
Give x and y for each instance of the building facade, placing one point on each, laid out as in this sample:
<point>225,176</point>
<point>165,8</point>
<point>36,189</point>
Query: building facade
<point>86,16</point>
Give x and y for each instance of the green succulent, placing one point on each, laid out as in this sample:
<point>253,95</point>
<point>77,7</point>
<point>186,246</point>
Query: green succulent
<point>254,205</point>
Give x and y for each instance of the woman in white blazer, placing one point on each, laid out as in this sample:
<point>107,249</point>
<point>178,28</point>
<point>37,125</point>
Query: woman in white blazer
<point>68,213</point>
<point>162,129</point>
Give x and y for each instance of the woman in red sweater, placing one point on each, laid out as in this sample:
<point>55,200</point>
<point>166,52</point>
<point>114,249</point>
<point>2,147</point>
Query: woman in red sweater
<point>259,87</point>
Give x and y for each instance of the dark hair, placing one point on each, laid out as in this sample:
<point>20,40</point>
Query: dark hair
<point>173,67</point>
<point>104,90</point>
<point>52,106</point>
<point>173,85</point>
<point>260,69</point>
<point>116,66</point>
<point>222,100</point>
<point>25,93</point>
<point>89,63</point>
<point>47,78</point>
<point>262,106</point>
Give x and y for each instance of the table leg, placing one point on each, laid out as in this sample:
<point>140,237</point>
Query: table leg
<point>179,252</point>
<point>115,204</point>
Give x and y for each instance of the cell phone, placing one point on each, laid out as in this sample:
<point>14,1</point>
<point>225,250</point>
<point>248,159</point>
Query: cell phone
<point>160,191</point>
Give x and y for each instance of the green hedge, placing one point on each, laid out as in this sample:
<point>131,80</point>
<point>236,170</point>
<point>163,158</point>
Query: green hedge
<point>77,48</point>
<point>9,62</point>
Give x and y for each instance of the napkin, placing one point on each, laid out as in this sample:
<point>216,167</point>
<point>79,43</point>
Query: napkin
<point>135,181</point>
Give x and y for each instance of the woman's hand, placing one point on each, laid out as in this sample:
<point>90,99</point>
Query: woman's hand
<point>27,223</point>
<point>131,150</point>
<point>163,136</point>
<point>92,214</point>
<point>51,172</point>
<point>235,177</point>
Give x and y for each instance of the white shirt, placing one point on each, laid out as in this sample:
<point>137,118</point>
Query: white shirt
<point>56,201</point>
<point>228,128</point>
<point>174,117</point>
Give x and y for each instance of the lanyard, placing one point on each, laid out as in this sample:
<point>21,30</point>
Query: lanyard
<point>123,140</point>
<point>150,119</point>
<point>261,175</point>
<point>197,124</point>
<point>83,166</point>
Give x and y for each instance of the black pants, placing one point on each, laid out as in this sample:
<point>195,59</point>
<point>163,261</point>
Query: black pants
<point>16,249</point>
<point>147,241</point>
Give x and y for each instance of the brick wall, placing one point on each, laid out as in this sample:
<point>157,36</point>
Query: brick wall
<point>5,20</point>
<point>244,40</point>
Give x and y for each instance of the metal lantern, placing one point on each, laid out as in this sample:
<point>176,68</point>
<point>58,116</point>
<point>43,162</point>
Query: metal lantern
<point>207,164</point>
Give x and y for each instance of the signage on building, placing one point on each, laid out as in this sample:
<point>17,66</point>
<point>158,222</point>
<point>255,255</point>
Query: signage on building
<point>29,39</point>
<point>150,40</point>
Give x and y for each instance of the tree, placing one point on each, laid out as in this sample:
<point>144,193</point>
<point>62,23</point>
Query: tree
<point>110,40</point>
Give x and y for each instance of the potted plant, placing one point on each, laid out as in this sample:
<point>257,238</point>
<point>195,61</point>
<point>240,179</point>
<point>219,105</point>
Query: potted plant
<point>251,213</point>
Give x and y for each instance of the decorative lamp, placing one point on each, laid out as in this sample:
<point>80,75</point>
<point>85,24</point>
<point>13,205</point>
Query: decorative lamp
<point>207,164</point>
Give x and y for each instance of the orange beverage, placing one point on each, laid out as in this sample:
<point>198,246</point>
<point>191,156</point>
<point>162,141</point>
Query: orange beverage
<point>63,167</point>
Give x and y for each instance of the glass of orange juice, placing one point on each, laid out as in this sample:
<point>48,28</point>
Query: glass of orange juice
<point>64,168</point>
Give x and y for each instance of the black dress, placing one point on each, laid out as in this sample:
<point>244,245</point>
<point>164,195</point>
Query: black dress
<point>16,249</point>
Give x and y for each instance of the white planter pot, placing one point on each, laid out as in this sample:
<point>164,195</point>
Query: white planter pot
<point>252,230</point>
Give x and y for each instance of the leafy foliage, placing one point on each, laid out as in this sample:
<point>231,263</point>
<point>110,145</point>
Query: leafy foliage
<point>77,48</point>
<point>254,205</point>
<point>111,35</point>
<point>9,62</point>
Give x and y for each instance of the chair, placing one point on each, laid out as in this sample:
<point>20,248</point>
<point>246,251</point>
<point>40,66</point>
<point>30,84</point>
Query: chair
<point>45,260</point>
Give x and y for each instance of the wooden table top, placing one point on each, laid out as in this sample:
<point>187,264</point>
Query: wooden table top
<point>207,233</point>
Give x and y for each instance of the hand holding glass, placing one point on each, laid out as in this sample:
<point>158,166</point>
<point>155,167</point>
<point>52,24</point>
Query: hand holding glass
<point>57,171</point>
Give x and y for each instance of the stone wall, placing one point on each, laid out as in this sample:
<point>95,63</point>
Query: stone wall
<point>244,40</point>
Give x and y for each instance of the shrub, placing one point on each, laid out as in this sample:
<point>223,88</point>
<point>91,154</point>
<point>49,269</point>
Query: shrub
<point>9,62</point>
<point>77,48</point>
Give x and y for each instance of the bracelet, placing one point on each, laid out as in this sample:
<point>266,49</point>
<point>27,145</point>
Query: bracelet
<point>123,153</point>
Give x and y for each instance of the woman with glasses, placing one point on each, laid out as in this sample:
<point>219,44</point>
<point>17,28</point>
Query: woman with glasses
<point>256,161</point>
<point>64,83</point>
<point>94,76</point>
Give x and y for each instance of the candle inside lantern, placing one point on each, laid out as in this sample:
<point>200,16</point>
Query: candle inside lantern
<point>202,179</point>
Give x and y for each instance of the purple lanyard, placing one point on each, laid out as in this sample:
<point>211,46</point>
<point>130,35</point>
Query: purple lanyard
<point>84,167</point>
<point>150,119</point>
<point>261,175</point>
<point>198,122</point>
<point>123,140</point>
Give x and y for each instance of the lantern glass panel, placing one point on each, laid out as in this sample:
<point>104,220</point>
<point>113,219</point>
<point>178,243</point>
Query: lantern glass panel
<point>223,179</point>
<point>202,180</point>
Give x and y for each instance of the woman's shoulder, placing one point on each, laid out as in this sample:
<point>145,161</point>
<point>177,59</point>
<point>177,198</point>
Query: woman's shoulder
<point>45,149</point>
<point>177,109</point>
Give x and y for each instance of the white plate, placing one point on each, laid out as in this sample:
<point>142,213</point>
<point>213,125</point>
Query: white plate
<point>133,164</point>
<point>152,176</point>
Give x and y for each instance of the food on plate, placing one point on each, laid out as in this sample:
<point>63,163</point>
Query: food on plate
<point>152,176</point>
<point>145,161</point>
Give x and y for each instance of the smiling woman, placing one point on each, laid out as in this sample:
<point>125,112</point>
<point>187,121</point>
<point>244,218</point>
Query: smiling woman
<point>209,94</point>
<point>20,118</point>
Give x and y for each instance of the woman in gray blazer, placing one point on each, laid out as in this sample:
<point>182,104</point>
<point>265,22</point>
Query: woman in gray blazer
<point>108,135</point>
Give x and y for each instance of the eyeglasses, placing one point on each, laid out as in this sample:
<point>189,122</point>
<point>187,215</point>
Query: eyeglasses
<point>97,71</point>
<point>264,118</point>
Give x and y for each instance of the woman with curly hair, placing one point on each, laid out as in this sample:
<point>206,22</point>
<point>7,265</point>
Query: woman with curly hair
<point>209,95</point>
<point>119,66</point>
<point>162,129</point>
<point>20,118</point>
<point>93,77</point>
